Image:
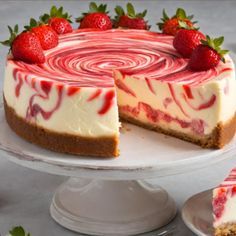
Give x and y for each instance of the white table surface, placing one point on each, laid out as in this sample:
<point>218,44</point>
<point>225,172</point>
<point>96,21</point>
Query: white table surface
<point>25,195</point>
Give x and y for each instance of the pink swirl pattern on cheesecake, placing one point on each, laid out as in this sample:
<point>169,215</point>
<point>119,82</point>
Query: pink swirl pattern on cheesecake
<point>230,180</point>
<point>88,58</point>
<point>155,115</point>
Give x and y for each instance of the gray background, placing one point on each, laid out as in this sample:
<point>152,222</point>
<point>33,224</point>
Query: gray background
<point>25,195</point>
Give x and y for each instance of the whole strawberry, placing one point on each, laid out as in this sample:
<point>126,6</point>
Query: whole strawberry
<point>97,17</point>
<point>60,25</point>
<point>58,20</point>
<point>130,20</point>
<point>186,40</point>
<point>171,25</point>
<point>25,46</point>
<point>47,36</point>
<point>207,55</point>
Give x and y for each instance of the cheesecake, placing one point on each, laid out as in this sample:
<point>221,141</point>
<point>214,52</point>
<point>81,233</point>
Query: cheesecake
<point>72,103</point>
<point>224,206</point>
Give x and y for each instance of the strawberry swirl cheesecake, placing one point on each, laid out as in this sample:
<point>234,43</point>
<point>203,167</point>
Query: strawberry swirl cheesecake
<point>224,206</point>
<point>73,101</point>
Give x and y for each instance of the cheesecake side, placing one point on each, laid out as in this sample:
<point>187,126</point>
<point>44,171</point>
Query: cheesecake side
<point>203,113</point>
<point>59,116</point>
<point>101,146</point>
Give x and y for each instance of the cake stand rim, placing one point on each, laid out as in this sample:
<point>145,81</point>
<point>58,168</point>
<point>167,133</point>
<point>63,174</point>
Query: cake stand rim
<point>114,173</point>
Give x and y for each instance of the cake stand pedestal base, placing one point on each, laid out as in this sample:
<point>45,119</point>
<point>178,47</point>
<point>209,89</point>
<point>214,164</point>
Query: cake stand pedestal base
<point>102,207</point>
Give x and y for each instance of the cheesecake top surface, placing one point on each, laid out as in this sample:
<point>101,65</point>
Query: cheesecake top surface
<point>87,58</point>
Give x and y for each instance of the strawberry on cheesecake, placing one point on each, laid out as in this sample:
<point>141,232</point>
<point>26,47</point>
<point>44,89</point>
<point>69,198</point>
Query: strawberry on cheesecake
<point>224,206</point>
<point>131,19</point>
<point>71,100</point>
<point>96,18</point>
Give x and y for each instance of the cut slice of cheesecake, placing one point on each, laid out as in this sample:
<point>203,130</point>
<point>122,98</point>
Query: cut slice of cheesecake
<point>224,206</point>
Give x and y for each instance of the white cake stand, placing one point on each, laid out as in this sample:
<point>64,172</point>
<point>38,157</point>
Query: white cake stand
<point>110,196</point>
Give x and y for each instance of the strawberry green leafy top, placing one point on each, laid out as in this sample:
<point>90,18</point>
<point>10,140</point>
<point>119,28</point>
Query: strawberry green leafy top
<point>129,19</point>
<point>94,8</point>
<point>180,15</point>
<point>130,12</point>
<point>13,34</point>
<point>215,43</point>
<point>18,231</point>
<point>55,12</point>
<point>33,23</point>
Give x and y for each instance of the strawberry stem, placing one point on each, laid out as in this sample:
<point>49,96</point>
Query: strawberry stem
<point>93,8</point>
<point>33,23</point>
<point>55,12</point>
<point>180,14</point>
<point>130,12</point>
<point>215,44</point>
<point>13,34</point>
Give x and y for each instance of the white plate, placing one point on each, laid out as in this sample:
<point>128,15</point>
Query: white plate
<point>197,213</point>
<point>144,154</point>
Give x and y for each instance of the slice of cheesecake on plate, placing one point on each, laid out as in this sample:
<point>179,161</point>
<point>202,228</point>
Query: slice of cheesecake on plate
<point>224,206</point>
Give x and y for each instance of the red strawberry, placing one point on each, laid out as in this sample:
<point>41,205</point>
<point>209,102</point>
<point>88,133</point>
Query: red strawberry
<point>130,20</point>
<point>58,20</point>
<point>172,25</point>
<point>26,46</point>
<point>47,36</point>
<point>96,18</point>
<point>207,55</point>
<point>186,40</point>
<point>60,25</point>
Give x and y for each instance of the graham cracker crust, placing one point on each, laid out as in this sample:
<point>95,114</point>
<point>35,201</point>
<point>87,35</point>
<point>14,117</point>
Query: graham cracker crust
<point>226,230</point>
<point>61,142</point>
<point>220,136</point>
